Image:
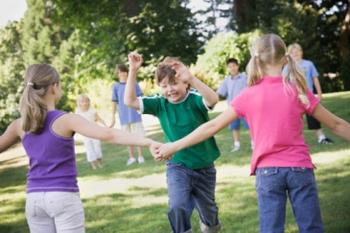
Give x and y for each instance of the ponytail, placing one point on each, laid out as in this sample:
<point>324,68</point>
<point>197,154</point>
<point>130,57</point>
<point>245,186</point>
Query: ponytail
<point>254,70</point>
<point>295,77</point>
<point>38,79</point>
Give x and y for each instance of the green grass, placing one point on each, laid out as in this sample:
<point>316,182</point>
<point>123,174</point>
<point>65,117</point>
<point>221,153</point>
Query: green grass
<point>236,197</point>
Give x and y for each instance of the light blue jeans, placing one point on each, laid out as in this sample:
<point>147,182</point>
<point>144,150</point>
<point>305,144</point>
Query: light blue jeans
<point>274,184</point>
<point>189,189</point>
<point>55,212</point>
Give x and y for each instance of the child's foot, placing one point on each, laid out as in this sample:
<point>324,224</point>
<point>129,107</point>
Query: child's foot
<point>326,141</point>
<point>141,159</point>
<point>235,148</point>
<point>130,161</point>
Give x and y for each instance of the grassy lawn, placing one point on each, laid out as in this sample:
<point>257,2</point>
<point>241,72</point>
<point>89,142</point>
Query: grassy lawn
<point>144,209</point>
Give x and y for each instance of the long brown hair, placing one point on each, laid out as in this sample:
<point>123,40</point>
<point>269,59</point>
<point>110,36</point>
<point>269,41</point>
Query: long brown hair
<point>38,78</point>
<point>271,50</point>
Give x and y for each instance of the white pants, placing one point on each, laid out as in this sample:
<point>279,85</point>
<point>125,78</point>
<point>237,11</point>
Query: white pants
<point>93,149</point>
<point>55,212</point>
<point>136,127</point>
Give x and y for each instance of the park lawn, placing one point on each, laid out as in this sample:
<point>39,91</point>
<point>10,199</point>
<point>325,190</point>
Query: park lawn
<point>139,210</point>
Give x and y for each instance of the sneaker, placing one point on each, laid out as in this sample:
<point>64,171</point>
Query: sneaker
<point>131,161</point>
<point>235,148</point>
<point>140,159</point>
<point>326,141</point>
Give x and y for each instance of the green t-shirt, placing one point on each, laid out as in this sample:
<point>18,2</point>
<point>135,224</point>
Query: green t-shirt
<point>180,119</point>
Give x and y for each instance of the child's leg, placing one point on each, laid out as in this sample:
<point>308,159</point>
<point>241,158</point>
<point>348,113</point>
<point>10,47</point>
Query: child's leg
<point>38,219</point>
<point>271,191</point>
<point>304,199</point>
<point>69,218</point>
<point>180,201</point>
<point>204,196</point>
<point>235,126</point>
<point>93,164</point>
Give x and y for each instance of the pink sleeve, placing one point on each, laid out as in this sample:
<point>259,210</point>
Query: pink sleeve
<point>238,104</point>
<point>313,102</point>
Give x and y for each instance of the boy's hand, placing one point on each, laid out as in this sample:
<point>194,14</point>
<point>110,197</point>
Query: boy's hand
<point>165,151</point>
<point>135,60</point>
<point>182,71</point>
<point>154,147</point>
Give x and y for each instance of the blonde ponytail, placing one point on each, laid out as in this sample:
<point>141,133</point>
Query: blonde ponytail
<point>254,70</point>
<point>38,79</point>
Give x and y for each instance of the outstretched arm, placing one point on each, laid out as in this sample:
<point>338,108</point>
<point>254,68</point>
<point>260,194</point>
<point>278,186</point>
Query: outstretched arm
<point>10,136</point>
<point>130,97</point>
<point>338,126</point>
<point>203,132</point>
<point>184,74</point>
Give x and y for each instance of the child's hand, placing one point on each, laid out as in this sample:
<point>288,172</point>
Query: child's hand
<point>153,147</point>
<point>182,71</point>
<point>135,60</point>
<point>165,151</point>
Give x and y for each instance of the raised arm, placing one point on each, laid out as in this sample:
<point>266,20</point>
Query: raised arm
<point>130,97</point>
<point>184,74</point>
<point>10,136</point>
<point>338,126</point>
<point>203,132</point>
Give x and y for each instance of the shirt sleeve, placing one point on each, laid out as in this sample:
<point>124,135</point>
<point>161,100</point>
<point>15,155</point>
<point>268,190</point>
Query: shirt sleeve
<point>222,91</point>
<point>150,105</point>
<point>239,104</point>
<point>138,90</point>
<point>313,102</point>
<point>313,70</point>
<point>200,103</point>
<point>115,93</point>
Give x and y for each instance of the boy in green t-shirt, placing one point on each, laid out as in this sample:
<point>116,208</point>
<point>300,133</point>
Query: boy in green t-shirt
<point>191,175</point>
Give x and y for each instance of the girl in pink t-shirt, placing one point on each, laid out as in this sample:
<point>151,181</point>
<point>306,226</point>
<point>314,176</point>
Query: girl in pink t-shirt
<point>273,106</point>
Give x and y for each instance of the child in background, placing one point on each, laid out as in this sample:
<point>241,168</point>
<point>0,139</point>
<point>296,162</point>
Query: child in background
<point>130,120</point>
<point>273,106</point>
<point>92,146</point>
<point>52,200</point>
<point>191,174</point>
<point>232,86</point>
<point>312,82</point>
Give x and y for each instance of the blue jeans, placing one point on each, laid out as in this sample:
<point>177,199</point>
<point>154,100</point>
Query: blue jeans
<point>235,125</point>
<point>189,189</point>
<point>274,184</point>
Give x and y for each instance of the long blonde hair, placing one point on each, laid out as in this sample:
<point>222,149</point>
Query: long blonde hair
<point>271,50</point>
<point>38,78</point>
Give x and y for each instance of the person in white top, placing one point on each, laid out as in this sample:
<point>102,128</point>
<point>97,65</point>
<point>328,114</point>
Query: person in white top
<point>92,146</point>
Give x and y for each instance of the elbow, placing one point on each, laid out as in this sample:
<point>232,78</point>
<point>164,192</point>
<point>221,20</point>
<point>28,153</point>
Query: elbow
<point>127,101</point>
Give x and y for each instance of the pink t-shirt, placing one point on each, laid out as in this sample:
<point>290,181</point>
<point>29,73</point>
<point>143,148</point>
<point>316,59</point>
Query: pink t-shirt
<point>275,118</point>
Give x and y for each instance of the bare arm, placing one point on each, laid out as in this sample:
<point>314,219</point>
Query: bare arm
<point>114,110</point>
<point>318,87</point>
<point>99,119</point>
<point>70,123</point>
<point>203,132</point>
<point>130,97</point>
<point>338,126</point>
<point>10,136</point>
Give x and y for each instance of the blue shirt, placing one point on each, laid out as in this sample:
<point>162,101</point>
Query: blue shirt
<point>232,86</point>
<point>126,115</point>
<point>309,70</point>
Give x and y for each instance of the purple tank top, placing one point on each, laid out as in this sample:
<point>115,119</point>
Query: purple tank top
<point>51,159</point>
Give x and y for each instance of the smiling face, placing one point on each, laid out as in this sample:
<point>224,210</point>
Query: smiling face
<point>173,90</point>
<point>233,68</point>
<point>84,103</point>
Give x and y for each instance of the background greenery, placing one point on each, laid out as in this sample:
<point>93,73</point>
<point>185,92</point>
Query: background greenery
<point>84,40</point>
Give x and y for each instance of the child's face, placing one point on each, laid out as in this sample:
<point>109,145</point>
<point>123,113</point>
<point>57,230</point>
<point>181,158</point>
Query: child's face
<point>174,92</point>
<point>123,76</point>
<point>233,68</point>
<point>296,54</point>
<point>84,104</point>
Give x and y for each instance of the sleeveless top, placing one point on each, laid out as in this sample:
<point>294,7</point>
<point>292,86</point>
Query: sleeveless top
<point>51,159</point>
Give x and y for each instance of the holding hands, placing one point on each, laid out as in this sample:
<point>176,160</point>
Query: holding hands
<point>135,60</point>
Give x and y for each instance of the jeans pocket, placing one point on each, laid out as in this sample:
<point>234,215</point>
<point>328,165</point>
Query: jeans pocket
<point>267,179</point>
<point>30,209</point>
<point>301,176</point>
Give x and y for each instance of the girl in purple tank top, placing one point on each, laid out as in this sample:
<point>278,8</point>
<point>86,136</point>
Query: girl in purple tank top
<point>52,202</point>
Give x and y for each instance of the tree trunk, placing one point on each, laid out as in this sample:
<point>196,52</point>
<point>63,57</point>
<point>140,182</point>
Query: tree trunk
<point>344,49</point>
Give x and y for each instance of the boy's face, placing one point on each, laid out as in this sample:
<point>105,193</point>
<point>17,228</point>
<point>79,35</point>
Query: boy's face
<point>123,76</point>
<point>296,54</point>
<point>174,91</point>
<point>233,68</point>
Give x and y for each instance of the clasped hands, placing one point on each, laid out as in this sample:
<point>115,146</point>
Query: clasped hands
<point>162,152</point>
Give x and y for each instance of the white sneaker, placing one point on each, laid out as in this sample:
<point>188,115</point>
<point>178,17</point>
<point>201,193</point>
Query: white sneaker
<point>235,148</point>
<point>130,161</point>
<point>140,159</point>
